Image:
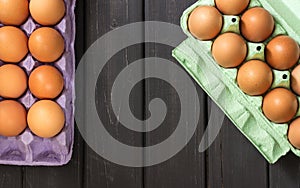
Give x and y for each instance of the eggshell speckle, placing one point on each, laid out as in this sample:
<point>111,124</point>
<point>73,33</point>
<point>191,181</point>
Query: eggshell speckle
<point>255,77</point>
<point>12,118</point>
<point>295,80</point>
<point>46,82</point>
<point>47,12</point>
<point>257,24</point>
<point>280,105</point>
<point>13,12</point>
<point>205,22</point>
<point>229,50</point>
<point>13,81</point>
<point>232,7</point>
<point>282,52</point>
<point>45,118</point>
<point>13,44</point>
<point>294,133</point>
<point>46,44</point>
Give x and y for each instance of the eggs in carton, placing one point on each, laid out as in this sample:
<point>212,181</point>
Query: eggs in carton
<point>37,72</point>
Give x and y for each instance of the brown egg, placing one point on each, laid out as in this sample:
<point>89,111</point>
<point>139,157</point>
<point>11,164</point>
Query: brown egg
<point>13,12</point>
<point>255,77</point>
<point>280,105</point>
<point>13,44</point>
<point>294,133</point>
<point>46,118</point>
<point>229,50</point>
<point>282,52</point>
<point>257,24</point>
<point>46,82</point>
<point>13,81</point>
<point>47,12</point>
<point>12,118</point>
<point>205,22</point>
<point>295,80</point>
<point>232,7</point>
<point>46,44</point>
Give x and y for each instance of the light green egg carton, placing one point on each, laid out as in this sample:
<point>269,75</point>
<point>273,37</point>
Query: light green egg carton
<point>220,83</point>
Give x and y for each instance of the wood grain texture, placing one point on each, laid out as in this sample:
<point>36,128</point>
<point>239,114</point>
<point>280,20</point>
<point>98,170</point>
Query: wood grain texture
<point>10,176</point>
<point>233,161</point>
<point>187,168</point>
<point>102,17</point>
<point>69,175</point>
<point>286,172</point>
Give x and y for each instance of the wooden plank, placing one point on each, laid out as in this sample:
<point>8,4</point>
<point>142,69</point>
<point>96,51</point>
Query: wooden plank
<point>187,168</point>
<point>10,176</point>
<point>285,172</point>
<point>103,16</point>
<point>234,162</point>
<point>71,174</point>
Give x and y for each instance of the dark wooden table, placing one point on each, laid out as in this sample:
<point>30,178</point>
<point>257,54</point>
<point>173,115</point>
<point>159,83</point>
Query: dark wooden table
<point>230,162</point>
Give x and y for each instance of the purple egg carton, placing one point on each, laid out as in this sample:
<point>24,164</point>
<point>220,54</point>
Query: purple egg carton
<point>28,149</point>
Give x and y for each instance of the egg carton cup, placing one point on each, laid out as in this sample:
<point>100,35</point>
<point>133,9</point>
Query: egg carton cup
<point>27,148</point>
<point>220,83</point>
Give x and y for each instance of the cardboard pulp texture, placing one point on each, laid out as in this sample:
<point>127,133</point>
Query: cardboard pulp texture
<point>28,149</point>
<point>220,84</point>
